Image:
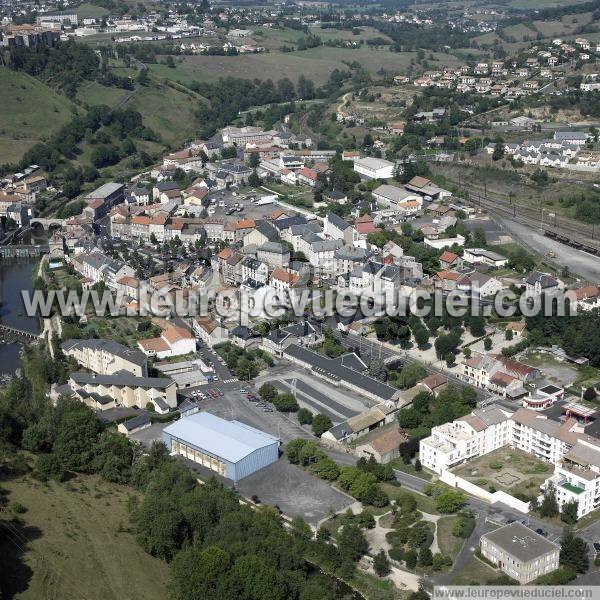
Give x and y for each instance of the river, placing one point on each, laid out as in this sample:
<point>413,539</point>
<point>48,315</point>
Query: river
<point>15,275</point>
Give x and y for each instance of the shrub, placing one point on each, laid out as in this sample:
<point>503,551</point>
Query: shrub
<point>496,465</point>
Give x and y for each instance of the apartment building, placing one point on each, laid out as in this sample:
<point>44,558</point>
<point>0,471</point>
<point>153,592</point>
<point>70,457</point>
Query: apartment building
<point>124,389</point>
<point>577,476</point>
<point>106,357</point>
<point>480,432</point>
<point>520,552</point>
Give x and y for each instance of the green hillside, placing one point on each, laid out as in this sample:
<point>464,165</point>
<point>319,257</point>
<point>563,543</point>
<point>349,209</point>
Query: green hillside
<point>29,112</point>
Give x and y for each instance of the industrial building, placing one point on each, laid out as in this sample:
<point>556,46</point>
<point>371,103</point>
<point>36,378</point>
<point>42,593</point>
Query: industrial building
<point>230,448</point>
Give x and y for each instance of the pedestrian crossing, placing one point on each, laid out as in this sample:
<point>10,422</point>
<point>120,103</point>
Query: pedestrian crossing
<point>230,380</point>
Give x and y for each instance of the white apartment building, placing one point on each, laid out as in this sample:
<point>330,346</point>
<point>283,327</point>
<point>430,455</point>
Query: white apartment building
<point>574,454</point>
<point>577,476</point>
<point>450,444</point>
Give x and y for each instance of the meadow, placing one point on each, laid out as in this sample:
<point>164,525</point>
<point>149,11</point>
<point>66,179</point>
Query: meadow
<point>76,544</point>
<point>29,113</point>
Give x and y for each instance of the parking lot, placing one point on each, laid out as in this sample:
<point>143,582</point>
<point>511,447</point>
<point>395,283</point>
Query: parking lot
<point>316,395</point>
<point>296,492</point>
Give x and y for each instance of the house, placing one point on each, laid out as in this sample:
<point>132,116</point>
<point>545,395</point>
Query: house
<point>397,127</point>
<point>244,337</point>
<point>450,261</point>
<point>478,256</point>
<point>425,188</point>
<point>517,327</point>
<point>577,138</point>
<point>497,373</point>
<point>210,331</point>
<point>336,196</point>
<point>173,341</point>
<point>520,552</point>
<point>538,283</point>
<point>434,384</point>
<point>134,425</point>
<point>274,254</point>
<point>337,229</point>
<point>586,297</point>
<point>374,168</point>
<point>308,176</point>
<point>302,333</point>
<point>383,444</point>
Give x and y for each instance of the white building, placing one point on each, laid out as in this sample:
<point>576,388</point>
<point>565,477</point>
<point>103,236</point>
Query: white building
<point>374,168</point>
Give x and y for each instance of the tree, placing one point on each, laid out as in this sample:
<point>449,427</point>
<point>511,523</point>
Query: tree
<point>410,558</point>
<point>170,62</point>
<point>285,402</point>
<point>425,557</point>
<point>49,465</point>
<point>498,153</point>
<point>450,501</point>
<point>568,514</point>
<point>590,394</point>
<point>410,374</point>
<point>326,468</point>
<point>487,344</point>
<point>267,391</point>
<point>574,552</point>
<point>305,417</point>
<point>320,424</point>
<point>418,466</point>
<point>549,505</point>
<point>381,564</point>
<point>254,180</point>
<point>352,543</point>
<point>142,77</point>
<point>254,160</point>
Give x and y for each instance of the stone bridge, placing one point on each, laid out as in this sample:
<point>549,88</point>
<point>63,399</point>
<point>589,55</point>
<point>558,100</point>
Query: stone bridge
<point>46,223</point>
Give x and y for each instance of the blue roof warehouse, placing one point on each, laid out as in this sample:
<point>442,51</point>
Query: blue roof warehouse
<point>230,448</point>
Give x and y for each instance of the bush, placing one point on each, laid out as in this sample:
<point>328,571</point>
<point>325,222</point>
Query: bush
<point>285,403</point>
<point>321,424</point>
<point>496,465</point>
<point>305,417</point>
<point>396,553</point>
<point>561,576</point>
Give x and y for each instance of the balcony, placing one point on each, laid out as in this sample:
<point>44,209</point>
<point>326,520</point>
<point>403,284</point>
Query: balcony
<point>574,489</point>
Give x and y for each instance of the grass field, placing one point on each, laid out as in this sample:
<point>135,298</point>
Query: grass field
<point>88,11</point>
<point>167,111</point>
<point>475,572</point>
<point>76,545</point>
<point>449,544</point>
<point>29,112</point>
<point>92,93</point>
<point>315,63</point>
<point>567,25</point>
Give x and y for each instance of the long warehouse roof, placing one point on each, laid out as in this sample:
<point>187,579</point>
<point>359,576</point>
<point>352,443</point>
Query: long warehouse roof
<point>230,440</point>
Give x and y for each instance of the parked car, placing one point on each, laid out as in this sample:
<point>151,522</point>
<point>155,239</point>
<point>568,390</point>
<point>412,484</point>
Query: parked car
<point>242,390</point>
<point>597,546</point>
<point>213,394</point>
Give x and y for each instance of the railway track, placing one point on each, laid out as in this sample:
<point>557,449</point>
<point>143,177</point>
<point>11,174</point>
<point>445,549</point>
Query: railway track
<point>579,235</point>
